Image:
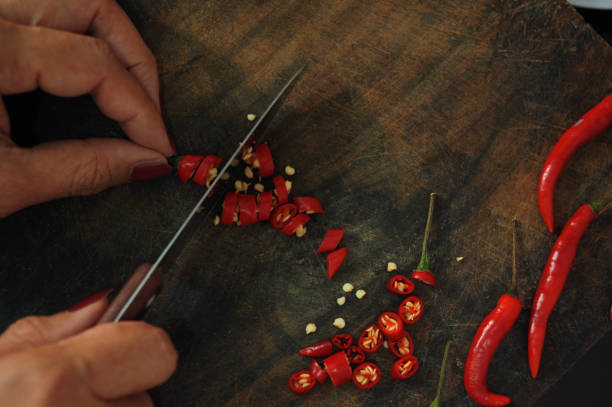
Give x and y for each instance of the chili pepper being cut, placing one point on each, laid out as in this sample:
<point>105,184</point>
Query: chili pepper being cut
<point>400,284</point>
<point>317,350</point>
<point>355,355</point>
<point>296,225</point>
<point>247,207</point>
<point>228,214</point>
<point>593,123</point>
<point>280,189</point>
<point>308,205</point>
<point>207,170</point>
<point>436,401</point>
<point>553,279</point>
<point>342,341</point>
<point>338,368</point>
<point>267,202</point>
<point>366,375</point>
<point>334,260</point>
<point>402,346</point>
<point>410,310</point>
<point>405,367</point>
<point>317,371</point>
<point>391,325</point>
<point>301,382</point>
<point>282,214</point>
<point>422,272</point>
<point>263,161</point>
<point>490,333</point>
<point>188,165</point>
<point>331,240</point>
<point>371,339</point>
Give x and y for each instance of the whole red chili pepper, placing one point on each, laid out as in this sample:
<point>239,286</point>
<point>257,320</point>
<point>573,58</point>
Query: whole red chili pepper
<point>490,333</point>
<point>342,341</point>
<point>391,325</point>
<point>317,371</point>
<point>399,284</point>
<point>402,346</point>
<point>366,375</point>
<point>584,130</point>
<point>338,368</point>
<point>317,350</point>
<point>355,355</point>
<point>302,382</point>
<point>410,310</point>
<point>422,272</point>
<point>553,278</point>
<point>405,367</point>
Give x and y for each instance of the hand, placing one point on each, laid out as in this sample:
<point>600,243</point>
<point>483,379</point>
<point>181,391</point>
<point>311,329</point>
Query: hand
<point>56,361</point>
<point>43,47</point>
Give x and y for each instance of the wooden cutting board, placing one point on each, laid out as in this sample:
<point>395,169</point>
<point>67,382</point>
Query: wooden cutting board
<point>399,99</point>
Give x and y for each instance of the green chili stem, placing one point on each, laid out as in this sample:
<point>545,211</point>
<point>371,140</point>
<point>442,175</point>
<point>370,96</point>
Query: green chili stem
<point>513,290</point>
<point>598,206</point>
<point>424,263</point>
<point>436,401</point>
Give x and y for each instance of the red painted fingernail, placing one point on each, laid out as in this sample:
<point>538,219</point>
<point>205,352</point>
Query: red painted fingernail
<point>149,170</point>
<point>90,300</point>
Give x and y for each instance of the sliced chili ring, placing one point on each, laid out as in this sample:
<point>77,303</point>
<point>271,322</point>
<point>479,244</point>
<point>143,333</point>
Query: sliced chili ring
<point>302,382</point>
<point>391,325</point>
<point>424,276</point>
<point>308,204</point>
<point>282,214</point>
<point>230,204</point>
<point>405,367</point>
<point>400,284</point>
<point>317,350</point>
<point>403,346</point>
<point>263,160</point>
<point>342,341</point>
<point>371,339</point>
<point>317,371</point>
<point>410,310</point>
<point>267,201</point>
<point>334,260</point>
<point>204,174</point>
<point>366,375</point>
<point>338,368</point>
<point>294,224</point>
<point>188,165</point>
<point>247,206</point>
<point>331,240</point>
<point>355,355</point>
<point>280,189</point>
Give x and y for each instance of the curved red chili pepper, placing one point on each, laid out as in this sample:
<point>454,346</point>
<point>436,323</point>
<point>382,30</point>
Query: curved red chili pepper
<point>264,160</point>
<point>584,130</point>
<point>405,367</point>
<point>282,214</point>
<point>552,280</point>
<point>334,260</point>
<point>317,350</point>
<point>317,371</point>
<point>355,355</point>
<point>391,325</point>
<point>308,204</point>
<point>291,226</point>
<point>280,189</point>
<point>338,368</point>
<point>403,346</point>
<point>342,341</point>
<point>267,202</point>
<point>188,165</point>
<point>331,240</point>
<point>247,207</point>
<point>207,170</point>
<point>371,339</point>
<point>229,208</point>
<point>366,375</point>
<point>302,382</point>
<point>410,310</point>
<point>400,284</point>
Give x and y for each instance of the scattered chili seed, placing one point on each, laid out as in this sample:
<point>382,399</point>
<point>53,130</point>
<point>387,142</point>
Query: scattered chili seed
<point>251,117</point>
<point>248,172</point>
<point>225,176</point>
<point>459,259</point>
<point>217,220</point>
<point>310,328</point>
<point>348,287</point>
<point>391,266</point>
<point>300,231</point>
<point>258,187</point>
<point>289,170</point>
<point>339,323</point>
<point>341,300</point>
<point>235,162</point>
<point>385,344</point>
<point>360,294</point>
<point>288,185</point>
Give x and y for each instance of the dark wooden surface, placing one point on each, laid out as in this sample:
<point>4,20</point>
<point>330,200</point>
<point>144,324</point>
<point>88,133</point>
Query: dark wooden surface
<point>399,99</point>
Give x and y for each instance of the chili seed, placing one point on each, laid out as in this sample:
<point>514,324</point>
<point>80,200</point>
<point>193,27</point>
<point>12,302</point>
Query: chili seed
<point>217,220</point>
<point>385,344</point>
<point>348,287</point>
<point>288,185</point>
<point>391,266</point>
<point>225,176</point>
<point>235,162</point>
<point>289,170</point>
<point>341,300</point>
<point>339,323</point>
<point>258,187</point>
<point>248,172</point>
<point>360,294</point>
<point>459,259</point>
<point>251,117</point>
<point>310,328</point>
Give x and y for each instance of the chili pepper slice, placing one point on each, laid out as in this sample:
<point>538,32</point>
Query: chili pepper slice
<point>263,160</point>
<point>399,284</point>
<point>391,325</point>
<point>247,205</point>
<point>338,368</point>
<point>334,260</point>
<point>280,189</point>
<point>207,170</point>
<point>229,208</point>
<point>593,123</point>
<point>553,279</point>
<point>403,346</point>
<point>308,205</point>
<point>317,350</point>
<point>422,272</point>
<point>282,214</point>
<point>355,355</point>
<point>317,371</point>
<point>342,341</point>
<point>188,165</point>
<point>366,375</point>
<point>371,339</point>
<point>410,310</point>
<point>405,367</point>
<point>301,382</point>
<point>331,240</point>
<point>267,201</point>
<point>294,224</point>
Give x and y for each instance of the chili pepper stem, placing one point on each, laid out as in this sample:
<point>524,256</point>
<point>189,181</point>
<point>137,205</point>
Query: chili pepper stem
<point>436,401</point>
<point>424,262</point>
<point>598,206</point>
<point>513,290</point>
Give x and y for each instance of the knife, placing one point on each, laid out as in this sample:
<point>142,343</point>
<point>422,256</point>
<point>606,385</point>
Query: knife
<point>140,290</point>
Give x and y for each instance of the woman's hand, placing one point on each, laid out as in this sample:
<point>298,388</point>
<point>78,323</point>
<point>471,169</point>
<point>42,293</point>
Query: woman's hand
<point>56,361</point>
<point>43,46</point>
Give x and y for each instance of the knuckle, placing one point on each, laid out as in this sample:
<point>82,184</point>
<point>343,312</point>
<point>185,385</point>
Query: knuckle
<point>102,49</point>
<point>29,330</point>
<point>55,381</point>
<point>91,174</point>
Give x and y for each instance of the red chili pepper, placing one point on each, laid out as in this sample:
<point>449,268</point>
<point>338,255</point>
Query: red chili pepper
<point>317,371</point>
<point>553,279</point>
<point>263,160</point>
<point>405,367</point>
<point>308,204</point>
<point>391,325</point>
<point>371,339</point>
<point>400,284</point>
<point>230,203</point>
<point>331,240</point>
<point>355,355</point>
<point>207,170</point>
<point>280,189</point>
<point>490,333</point>
<point>403,346</point>
<point>301,382</point>
<point>422,272</point>
<point>267,202</point>
<point>338,368</point>
<point>366,375</point>
<point>188,165</point>
<point>410,310</point>
<point>342,341</point>
<point>294,225</point>
<point>318,350</point>
<point>282,214</point>
<point>334,260</point>
<point>584,130</point>
<point>247,206</point>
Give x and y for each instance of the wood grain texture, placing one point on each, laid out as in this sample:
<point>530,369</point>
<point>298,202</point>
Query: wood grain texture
<point>400,98</point>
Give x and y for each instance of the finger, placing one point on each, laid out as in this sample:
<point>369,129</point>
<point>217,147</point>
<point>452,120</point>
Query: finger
<point>136,400</point>
<point>34,331</point>
<point>66,64</point>
<point>119,359</point>
<point>103,19</point>
<point>5,125</point>
<point>73,167</point>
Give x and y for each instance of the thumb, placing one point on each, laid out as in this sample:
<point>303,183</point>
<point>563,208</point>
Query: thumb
<point>73,167</point>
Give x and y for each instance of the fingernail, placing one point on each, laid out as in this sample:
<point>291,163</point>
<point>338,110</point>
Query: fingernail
<point>90,300</point>
<point>149,170</point>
